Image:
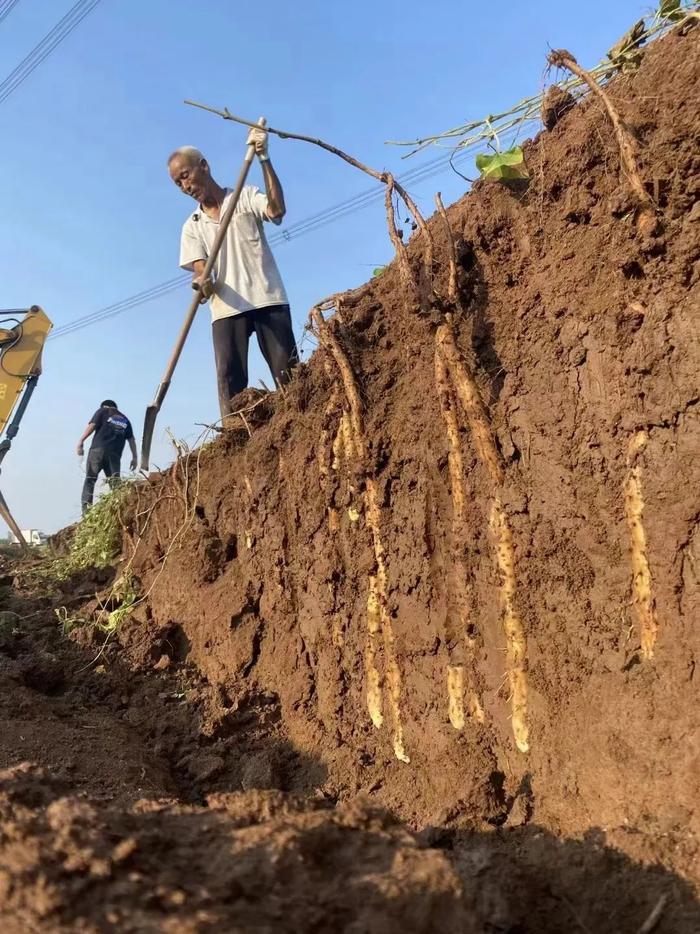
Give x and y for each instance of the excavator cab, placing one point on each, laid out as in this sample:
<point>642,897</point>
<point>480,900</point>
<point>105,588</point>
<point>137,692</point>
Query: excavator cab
<point>22,341</point>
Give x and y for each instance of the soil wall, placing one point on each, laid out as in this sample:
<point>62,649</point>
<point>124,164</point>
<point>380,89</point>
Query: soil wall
<point>582,332</point>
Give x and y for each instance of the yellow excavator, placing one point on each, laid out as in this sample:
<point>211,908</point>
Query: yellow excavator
<point>23,333</point>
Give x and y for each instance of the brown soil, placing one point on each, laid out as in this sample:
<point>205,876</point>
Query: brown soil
<point>214,766</point>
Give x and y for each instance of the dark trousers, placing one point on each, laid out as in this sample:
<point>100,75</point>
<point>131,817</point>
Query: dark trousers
<point>273,328</point>
<point>100,459</point>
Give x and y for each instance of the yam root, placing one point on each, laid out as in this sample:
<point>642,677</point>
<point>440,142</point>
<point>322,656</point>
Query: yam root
<point>642,593</point>
<point>377,604</point>
<point>647,221</point>
<point>516,645</point>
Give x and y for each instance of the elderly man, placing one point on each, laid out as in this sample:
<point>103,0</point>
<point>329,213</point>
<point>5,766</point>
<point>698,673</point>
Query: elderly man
<point>247,295</point>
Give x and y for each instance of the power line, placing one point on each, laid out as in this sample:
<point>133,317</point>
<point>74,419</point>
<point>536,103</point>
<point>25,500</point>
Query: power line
<point>140,298</point>
<point>63,28</point>
<point>420,174</point>
<point>46,46</point>
<point>308,225</point>
<point>6,8</point>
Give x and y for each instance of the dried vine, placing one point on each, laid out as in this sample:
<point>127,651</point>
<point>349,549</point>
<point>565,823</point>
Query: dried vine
<point>386,178</point>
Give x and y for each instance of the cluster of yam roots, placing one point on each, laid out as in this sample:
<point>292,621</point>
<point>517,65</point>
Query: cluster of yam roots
<point>460,399</point>
<point>464,413</point>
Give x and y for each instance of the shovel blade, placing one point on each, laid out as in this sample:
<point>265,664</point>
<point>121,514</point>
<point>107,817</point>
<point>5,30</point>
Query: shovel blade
<point>149,424</point>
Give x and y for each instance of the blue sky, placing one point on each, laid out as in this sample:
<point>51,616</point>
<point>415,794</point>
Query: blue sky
<point>91,216</point>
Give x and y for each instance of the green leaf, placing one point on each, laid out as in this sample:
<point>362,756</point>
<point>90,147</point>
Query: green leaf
<point>671,10</point>
<point>504,165</point>
<point>378,270</point>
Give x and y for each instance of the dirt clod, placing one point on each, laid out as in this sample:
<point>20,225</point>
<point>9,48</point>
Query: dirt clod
<point>556,105</point>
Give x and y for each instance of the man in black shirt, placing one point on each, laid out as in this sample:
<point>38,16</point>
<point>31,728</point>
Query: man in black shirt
<point>112,431</point>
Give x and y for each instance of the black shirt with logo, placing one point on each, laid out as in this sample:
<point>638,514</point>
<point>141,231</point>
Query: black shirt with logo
<point>112,430</point>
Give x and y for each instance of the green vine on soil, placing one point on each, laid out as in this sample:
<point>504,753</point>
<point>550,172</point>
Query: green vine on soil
<point>97,538</point>
<point>103,537</point>
<point>623,56</point>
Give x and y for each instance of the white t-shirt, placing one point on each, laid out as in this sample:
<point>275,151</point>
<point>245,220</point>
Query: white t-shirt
<point>245,271</point>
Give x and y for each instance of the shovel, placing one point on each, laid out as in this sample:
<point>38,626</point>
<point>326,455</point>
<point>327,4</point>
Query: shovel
<point>149,423</point>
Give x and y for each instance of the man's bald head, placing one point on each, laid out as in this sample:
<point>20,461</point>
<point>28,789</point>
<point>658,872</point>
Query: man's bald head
<point>190,154</point>
<point>190,171</point>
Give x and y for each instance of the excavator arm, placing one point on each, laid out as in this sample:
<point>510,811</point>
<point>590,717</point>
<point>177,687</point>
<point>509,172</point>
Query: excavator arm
<point>21,344</point>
